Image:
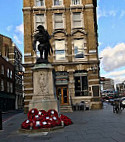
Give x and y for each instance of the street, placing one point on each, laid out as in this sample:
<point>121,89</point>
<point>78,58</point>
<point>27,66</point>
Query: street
<point>88,126</point>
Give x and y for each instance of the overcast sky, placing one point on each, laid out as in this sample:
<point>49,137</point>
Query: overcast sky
<point>111,31</point>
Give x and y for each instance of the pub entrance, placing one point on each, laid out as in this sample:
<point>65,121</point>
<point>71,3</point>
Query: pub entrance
<point>62,94</point>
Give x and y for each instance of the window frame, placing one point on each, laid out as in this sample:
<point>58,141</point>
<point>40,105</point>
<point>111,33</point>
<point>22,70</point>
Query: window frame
<point>57,5</point>
<point>64,49</point>
<point>2,87</point>
<point>54,21</point>
<point>35,2</point>
<point>81,19</point>
<point>35,21</point>
<point>82,90</point>
<point>82,48</point>
<point>2,69</point>
<point>75,4</point>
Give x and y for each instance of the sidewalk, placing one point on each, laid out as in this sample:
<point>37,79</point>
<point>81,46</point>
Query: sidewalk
<point>89,126</point>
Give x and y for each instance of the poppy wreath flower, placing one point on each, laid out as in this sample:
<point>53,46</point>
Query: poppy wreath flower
<point>52,112</point>
<point>32,113</point>
<point>26,124</point>
<point>38,118</point>
<point>42,112</point>
<point>67,121</point>
<point>46,124</point>
<point>56,120</point>
<point>37,124</point>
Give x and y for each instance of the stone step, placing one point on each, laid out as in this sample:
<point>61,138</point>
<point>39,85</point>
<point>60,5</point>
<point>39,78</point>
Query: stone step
<point>66,108</point>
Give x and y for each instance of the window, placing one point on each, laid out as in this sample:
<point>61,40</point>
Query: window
<point>60,49</point>
<point>8,86</point>
<point>81,86</point>
<point>79,48</point>
<point>39,2</point>
<point>39,20</point>
<point>58,2</point>
<point>8,73</point>
<point>75,2</point>
<point>77,20</point>
<point>2,85</point>
<point>58,21</point>
<point>11,87</point>
<point>11,73</point>
<point>2,69</point>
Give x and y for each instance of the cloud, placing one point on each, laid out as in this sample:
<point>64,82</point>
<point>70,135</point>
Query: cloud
<point>113,58</point>
<point>9,28</point>
<point>122,13</point>
<point>105,13</point>
<point>17,40</point>
<point>20,29</point>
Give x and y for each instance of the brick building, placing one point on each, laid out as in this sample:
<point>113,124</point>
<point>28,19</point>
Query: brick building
<point>11,56</point>
<point>72,25</point>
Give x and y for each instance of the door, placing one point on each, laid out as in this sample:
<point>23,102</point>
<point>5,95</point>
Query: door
<point>62,94</point>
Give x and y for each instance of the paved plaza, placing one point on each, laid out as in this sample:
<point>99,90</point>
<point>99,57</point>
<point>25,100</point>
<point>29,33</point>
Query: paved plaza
<point>89,126</point>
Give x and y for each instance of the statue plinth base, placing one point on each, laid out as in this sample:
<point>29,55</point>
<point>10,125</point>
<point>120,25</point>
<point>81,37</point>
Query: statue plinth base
<point>43,84</point>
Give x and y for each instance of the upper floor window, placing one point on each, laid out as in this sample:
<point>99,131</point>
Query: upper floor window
<point>2,85</point>
<point>8,73</point>
<point>11,87</point>
<point>58,21</point>
<point>39,2</point>
<point>39,20</point>
<point>77,20</point>
<point>60,49</point>
<point>2,69</point>
<point>8,86</point>
<point>11,73</point>
<point>58,2</point>
<point>79,48</point>
<point>75,2</point>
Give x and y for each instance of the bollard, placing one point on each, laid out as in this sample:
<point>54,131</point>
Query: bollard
<point>0,120</point>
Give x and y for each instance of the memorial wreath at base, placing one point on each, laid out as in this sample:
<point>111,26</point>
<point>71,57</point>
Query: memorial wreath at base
<point>38,119</point>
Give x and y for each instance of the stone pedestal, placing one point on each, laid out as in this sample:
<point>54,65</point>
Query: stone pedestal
<point>43,84</point>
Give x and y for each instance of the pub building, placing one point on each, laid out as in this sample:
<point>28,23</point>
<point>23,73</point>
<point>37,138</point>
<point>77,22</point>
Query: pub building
<point>72,25</point>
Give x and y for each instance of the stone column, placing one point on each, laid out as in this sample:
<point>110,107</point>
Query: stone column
<point>43,86</point>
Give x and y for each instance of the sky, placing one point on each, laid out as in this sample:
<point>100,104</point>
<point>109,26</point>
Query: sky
<point>111,33</point>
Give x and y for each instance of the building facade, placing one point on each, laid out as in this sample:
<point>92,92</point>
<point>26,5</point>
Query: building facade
<point>11,54</point>
<point>7,95</point>
<point>107,83</point>
<point>120,87</point>
<point>72,25</point>
<point>15,57</point>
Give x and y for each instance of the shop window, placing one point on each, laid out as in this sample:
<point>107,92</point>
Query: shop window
<point>60,49</point>
<point>58,21</point>
<point>39,20</point>
<point>81,86</point>
<point>39,2</point>
<point>2,85</point>
<point>79,48</point>
<point>58,2</point>
<point>77,20</point>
